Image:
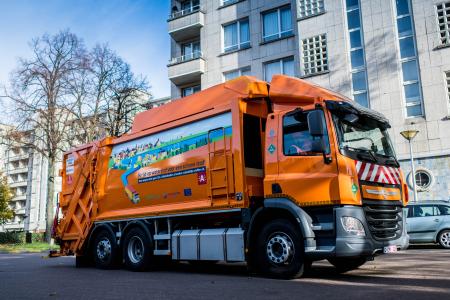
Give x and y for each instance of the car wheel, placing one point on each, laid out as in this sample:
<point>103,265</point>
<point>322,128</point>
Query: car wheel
<point>137,250</point>
<point>279,250</point>
<point>343,265</point>
<point>105,250</point>
<point>444,239</point>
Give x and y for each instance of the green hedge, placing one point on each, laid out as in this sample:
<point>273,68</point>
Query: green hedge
<point>18,237</point>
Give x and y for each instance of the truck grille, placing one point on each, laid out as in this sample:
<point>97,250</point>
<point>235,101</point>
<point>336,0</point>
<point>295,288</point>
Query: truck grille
<point>385,221</point>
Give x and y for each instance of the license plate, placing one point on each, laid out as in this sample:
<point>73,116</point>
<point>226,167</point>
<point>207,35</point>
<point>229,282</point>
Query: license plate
<point>390,249</point>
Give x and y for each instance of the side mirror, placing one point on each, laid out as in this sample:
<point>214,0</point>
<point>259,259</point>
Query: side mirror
<point>317,129</point>
<point>316,122</point>
<point>318,146</point>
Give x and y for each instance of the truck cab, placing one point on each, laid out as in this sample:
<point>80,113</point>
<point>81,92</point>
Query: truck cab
<point>334,159</point>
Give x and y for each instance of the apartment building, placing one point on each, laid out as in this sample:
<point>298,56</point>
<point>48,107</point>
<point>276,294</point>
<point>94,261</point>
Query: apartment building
<point>389,55</point>
<point>24,171</point>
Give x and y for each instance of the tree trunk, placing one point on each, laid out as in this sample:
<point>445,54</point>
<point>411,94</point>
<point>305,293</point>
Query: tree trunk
<point>50,201</point>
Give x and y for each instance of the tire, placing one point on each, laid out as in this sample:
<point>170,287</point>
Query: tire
<point>343,265</point>
<point>444,239</point>
<point>137,250</point>
<point>105,250</point>
<point>279,250</point>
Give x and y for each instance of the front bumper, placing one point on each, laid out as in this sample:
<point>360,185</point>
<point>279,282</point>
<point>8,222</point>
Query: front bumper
<point>348,245</point>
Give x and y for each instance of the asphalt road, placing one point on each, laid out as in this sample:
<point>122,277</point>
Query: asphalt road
<point>421,273</point>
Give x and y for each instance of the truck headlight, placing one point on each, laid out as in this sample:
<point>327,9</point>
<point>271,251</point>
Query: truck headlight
<point>353,226</point>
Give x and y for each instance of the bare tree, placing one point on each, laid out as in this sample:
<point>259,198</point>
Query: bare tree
<point>107,94</point>
<point>40,95</point>
<point>65,96</point>
<point>117,90</point>
<point>129,96</point>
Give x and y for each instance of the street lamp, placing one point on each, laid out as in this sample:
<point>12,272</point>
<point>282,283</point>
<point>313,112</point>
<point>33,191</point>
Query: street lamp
<point>409,135</point>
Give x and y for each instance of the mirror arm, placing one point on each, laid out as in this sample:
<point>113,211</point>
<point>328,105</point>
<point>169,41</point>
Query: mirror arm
<point>326,157</point>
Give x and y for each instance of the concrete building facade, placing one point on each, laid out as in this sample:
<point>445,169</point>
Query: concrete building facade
<point>25,171</point>
<point>390,55</point>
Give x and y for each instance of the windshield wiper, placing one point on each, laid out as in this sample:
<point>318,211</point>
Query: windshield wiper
<point>391,160</point>
<point>363,155</point>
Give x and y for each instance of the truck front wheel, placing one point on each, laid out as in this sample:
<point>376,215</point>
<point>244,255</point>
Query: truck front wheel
<point>137,250</point>
<point>279,250</point>
<point>105,250</point>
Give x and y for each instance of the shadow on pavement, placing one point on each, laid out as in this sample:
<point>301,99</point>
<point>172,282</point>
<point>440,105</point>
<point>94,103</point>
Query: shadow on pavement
<point>425,246</point>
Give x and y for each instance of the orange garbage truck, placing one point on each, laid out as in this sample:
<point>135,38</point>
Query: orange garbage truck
<point>276,175</point>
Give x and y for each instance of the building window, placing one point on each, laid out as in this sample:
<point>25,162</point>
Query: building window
<point>281,66</point>
<point>187,7</point>
<point>190,90</point>
<point>357,53</point>
<point>424,179</point>
<point>190,50</point>
<point>236,35</point>
<point>308,8</point>
<point>236,73</point>
<point>443,16</point>
<point>314,58</point>
<point>408,59</point>
<point>277,24</point>
<point>190,5</point>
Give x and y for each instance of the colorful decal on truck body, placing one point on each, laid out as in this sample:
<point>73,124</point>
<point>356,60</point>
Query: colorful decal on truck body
<point>141,153</point>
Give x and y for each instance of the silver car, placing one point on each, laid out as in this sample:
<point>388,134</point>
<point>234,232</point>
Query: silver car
<point>429,222</point>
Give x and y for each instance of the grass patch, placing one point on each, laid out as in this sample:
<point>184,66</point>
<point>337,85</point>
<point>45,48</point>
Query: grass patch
<point>34,247</point>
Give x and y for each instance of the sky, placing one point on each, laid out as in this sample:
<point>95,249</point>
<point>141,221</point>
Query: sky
<point>135,29</point>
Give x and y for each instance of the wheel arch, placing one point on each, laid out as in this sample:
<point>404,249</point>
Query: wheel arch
<point>136,224</point>
<point>96,230</point>
<point>275,208</point>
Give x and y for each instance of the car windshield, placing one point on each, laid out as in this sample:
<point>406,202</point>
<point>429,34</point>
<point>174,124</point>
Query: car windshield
<point>360,133</point>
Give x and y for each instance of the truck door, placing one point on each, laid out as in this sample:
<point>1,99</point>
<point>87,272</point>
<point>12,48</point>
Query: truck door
<point>303,173</point>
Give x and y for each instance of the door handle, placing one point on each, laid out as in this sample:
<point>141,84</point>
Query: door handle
<point>436,220</point>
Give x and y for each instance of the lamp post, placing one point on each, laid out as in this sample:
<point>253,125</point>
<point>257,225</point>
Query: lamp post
<point>409,135</point>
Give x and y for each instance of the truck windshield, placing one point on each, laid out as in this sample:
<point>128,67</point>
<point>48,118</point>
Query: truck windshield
<point>364,138</point>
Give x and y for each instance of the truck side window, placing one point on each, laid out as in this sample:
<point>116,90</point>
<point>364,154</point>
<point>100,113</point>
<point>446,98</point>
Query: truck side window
<point>296,138</point>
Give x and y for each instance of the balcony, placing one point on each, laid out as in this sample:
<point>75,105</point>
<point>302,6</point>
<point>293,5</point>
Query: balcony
<point>187,68</point>
<point>186,24</point>
<point>18,170</point>
<point>18,183</point>
<point>20,211</point>
<point>22,197</point>
<point>19,156</point>
<point>13,226</point>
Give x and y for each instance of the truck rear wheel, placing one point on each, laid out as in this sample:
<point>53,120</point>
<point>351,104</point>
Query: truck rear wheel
<point>137,250</point>
<point>105,250</point>
<point>279,250</point>
<point>343,265</point>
